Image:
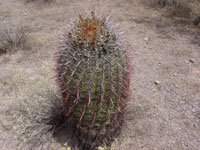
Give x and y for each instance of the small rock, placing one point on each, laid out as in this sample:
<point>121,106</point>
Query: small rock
<point>192,60</point>
<point>154,90</point>
<point>146,39</point>
<point>157,82</point>
<point>175,74</point>
<point>193,110</point>
<point>183,102</point>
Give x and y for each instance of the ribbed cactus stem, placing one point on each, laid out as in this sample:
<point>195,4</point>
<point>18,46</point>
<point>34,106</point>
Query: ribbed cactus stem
<point>93,76</point>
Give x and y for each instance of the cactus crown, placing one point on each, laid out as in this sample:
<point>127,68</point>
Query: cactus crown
<point>88,31</point>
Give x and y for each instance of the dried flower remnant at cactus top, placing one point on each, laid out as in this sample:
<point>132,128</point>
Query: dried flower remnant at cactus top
<point>93,72</point>
<point>88,31</point>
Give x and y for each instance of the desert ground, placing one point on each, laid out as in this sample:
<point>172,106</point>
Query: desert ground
<point>164,107</point>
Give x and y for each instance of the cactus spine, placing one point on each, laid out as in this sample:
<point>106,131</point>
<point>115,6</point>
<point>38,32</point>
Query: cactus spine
<point>93,76</point>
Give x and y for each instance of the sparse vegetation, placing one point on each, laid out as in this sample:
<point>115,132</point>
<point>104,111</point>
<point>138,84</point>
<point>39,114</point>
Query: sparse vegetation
<point>196,21</point>
<point>34,120</point>
<point>39,1</point>
<point>14,38</point>
<point>177,8</point>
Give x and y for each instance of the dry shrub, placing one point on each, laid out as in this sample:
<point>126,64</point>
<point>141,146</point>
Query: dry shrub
<point>196,21</point>
<point>155,3</point>
<point>39,1</point>
<point>172,8</point>
<point>178,8</point>
<point>34,120</point>
<point>14,38</point>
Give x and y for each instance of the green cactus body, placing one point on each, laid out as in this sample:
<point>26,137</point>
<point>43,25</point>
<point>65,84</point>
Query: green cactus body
<point>93,74</point>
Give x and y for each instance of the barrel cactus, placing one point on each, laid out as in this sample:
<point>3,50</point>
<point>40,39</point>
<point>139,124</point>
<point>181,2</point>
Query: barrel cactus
<point>93,73</point>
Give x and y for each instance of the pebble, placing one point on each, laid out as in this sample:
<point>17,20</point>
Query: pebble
<point>175,74</point>
<point>154,90</point>
<point>192,60</point>
<point>183,102</point>
<point>157,82</point>
<point>146,39</point>
<point>193,110</point>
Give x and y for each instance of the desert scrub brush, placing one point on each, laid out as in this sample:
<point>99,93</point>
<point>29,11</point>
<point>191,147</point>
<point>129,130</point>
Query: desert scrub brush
<point>93,72</point>
<point>33,120</point>
<point>14,38</point>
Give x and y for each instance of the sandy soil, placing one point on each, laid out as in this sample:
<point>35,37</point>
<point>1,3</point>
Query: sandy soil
<point>164,109</point>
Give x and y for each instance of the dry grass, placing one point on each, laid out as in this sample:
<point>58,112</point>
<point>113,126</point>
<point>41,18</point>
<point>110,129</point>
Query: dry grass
<point>34,119</point>
<point>184,9</point>
<point>196,21</point>
<point>178,8</point>
<point>39,1</point>
<point>14,38</point>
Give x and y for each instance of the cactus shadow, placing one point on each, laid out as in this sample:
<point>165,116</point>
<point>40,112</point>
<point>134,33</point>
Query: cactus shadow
<point>68,137</point>
<point>65,137</point>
